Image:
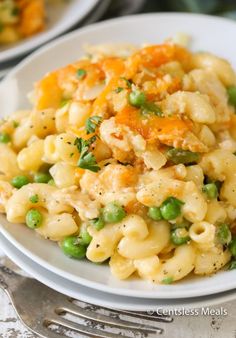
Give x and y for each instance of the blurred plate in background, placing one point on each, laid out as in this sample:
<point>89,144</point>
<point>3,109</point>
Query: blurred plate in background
<point>61,16</point>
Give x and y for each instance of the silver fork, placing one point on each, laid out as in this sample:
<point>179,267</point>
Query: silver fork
<point>50,314</point>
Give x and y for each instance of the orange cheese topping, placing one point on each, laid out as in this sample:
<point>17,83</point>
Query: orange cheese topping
<point>153,126</point>
<point>48,93</point>
<point>155,56</point>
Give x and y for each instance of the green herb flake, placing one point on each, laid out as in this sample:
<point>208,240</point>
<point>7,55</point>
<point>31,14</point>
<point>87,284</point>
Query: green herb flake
<point>167,280</point>
<point>119,89</point>
<point>232,95</point>
<point>1,27</point>
<point>128,82</point>
<point>81,73</point>
<point>15,124</point>
<point>34,198</point>
<point>178,156</point>
<point>64,102</point>
<point>232,265</point>
<point>87,160</point>
<point>151,107</point>
<point>92,123</point>
<point>15,11</point>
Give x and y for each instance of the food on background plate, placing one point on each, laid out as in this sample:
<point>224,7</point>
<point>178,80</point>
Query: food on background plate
<point>20,19</point>
<point>129,156</point>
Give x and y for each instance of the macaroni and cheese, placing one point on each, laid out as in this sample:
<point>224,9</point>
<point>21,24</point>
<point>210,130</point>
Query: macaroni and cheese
<point>128,155</point>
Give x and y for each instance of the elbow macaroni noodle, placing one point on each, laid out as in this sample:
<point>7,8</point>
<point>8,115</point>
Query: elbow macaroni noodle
<point>150,135</point>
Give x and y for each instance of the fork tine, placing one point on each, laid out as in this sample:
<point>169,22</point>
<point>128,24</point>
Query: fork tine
<point>142,315</point>
<point>153,317</point>
<point>91,315</point>
<point>83,329</point>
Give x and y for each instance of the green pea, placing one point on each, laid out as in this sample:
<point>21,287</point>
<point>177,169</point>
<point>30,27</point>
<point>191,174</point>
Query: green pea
<point>72,247</point>
<point>85,237</point>
<point>19,181</point>
<point>171,208</point>
<point>34,198</point>
<point>113,213</point>
<point>223,234</point>
<point>137,98</point>
<point>232,265</point>
<point>218,184</point>
<point>167,280</point>
<point>34,218</point>
<point>5,138</point>
<point>81,73</point>
<point>232,247</point>
<point>51,182</point>
<point>178,156</point>
<point>154,213</point>
<point>98,223</point>
<point>179,236</point>
<point>232,95</point>
<point>210,190</point>
<point>42,177</point>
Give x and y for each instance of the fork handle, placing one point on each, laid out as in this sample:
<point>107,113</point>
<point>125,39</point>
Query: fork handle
<point>9,280</point>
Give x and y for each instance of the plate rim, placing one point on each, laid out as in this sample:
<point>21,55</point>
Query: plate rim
<point>60,40</point>
<point>197,302</point>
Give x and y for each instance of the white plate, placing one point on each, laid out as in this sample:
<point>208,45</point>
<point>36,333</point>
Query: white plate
<point>203,30</point>
<point>99,298</point>
<point>60,18</point>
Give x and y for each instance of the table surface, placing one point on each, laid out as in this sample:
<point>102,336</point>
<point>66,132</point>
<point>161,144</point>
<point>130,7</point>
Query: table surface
<point>194,327</point>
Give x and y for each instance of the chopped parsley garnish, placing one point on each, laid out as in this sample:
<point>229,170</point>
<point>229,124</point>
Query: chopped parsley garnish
<point>138,99</point>
<point>87,160</point>
<point>151,107</point>
<point>34,198</point>
<point>1,27</point>
<point>232,265</point>
<point>81,73</point>
<point>15,11</point>
<point>232,95</point>
<point>128,82</point>
<point>64,102</point>
<point>92,123</point>
<point>178,156</point>
<point>119,89</point>
<point>15,124</point>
